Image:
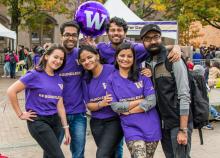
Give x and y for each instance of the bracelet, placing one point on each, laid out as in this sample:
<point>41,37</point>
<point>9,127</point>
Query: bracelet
<point>99,104</point>
<point>67,126</point>
<point>20,115</point>
<point>184,130</point>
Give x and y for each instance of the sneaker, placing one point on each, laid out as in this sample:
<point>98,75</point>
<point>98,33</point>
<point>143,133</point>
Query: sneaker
<point>2,156</point>
<point>8,76</point>
<point>208,127</point>
<point>217,117</point>
<point>3,76</point>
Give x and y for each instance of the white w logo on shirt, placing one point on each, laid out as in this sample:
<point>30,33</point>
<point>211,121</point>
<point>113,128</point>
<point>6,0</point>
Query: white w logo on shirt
<point>61,86</point>
<point>90,22</point>
<point>104,85</point>
<point>139,84</point>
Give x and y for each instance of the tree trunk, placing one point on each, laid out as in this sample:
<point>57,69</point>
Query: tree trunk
<point>15,17</point>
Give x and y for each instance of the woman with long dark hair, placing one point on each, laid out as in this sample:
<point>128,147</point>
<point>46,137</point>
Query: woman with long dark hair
<point>133,97</point>
<point>105,123</point>
<point>43,102</point>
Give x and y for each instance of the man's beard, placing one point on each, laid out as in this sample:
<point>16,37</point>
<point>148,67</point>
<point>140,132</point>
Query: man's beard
<point>154,49</point>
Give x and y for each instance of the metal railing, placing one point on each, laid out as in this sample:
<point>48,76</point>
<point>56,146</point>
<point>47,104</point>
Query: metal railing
<point>202,61</point>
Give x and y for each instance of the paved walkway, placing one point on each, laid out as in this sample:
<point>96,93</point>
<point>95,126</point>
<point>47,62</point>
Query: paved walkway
<point>16,142</point>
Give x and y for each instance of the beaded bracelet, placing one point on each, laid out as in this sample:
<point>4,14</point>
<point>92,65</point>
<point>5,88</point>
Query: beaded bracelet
<point>67,126</point>
<point>99,104</point>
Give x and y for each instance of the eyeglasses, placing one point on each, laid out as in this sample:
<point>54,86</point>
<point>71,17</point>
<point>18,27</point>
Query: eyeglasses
<point>68,35</point>
<point>149,39</point>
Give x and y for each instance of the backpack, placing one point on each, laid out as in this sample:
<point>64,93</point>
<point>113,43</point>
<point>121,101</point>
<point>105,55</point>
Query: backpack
<point>199,106</point>
<point>12,58</point>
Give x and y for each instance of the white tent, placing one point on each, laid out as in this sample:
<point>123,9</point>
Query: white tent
<point>135,24</point>
<point>5,32</point>
<point>119,9</point>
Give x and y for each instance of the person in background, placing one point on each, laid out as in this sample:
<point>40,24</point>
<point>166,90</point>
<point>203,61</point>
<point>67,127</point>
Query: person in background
<point>21,52</point>
<point>133,97</point>
<point>105,123</point>
<point>43,102</point>
<point>214,73</point>
<point>197,56</point>
<point>38,52</point>
<point>199,75</point>
<point>6,65</point>
<point>207,67</point>
<point>189,63</point>
<point>13,60</point>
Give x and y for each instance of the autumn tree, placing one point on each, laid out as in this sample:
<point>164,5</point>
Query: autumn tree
<point>24,11</point>
<point>188,11</point>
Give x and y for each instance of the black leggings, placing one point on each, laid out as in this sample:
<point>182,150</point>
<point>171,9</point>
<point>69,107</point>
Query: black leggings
<point>45,130</point>
<point>107,134</point>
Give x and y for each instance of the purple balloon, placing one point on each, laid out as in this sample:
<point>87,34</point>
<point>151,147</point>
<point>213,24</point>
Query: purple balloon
<point>92,18</point>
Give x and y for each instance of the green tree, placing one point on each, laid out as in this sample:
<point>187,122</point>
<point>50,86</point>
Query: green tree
<point>24,11</point>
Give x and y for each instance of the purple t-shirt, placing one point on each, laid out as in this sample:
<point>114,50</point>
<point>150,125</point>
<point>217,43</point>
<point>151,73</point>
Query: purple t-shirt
<point>42,92</point>
<point>95,90</point>
<point>140,126</point>
<point>72,81</point>
<point>107,52</point>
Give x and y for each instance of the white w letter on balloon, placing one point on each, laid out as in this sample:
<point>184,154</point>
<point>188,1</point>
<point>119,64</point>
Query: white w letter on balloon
<point>96,20</point>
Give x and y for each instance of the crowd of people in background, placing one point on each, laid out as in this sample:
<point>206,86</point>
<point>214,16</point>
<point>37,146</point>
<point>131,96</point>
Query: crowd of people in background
<point>208,61</point>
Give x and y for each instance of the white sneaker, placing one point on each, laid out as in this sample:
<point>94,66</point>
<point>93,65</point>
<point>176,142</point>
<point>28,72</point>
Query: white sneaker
<point>3,76</point>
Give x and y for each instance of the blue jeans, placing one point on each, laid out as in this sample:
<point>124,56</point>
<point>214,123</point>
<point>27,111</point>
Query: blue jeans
<point>12,69</point>
<point>77,126</point>
<point>170,146</point>
<point>7,68</point>
<point>119,150</point>
<point>213,111</point>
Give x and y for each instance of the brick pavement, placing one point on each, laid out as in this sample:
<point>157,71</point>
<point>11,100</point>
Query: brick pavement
<point>16,142</point>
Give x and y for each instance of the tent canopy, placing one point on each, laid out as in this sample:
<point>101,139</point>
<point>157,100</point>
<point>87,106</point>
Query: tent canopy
<point>135,24</point>
<point>119,9</point>
<point>5,32</point>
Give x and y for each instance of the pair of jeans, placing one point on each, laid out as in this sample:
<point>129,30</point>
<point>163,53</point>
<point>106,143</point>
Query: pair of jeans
<point>213,111</point>
<point>119,150</point>
<point>12,69</point>
<point>107,134</point>
<point>170,146</point>
<point>7,68</point>
<point>77,126</point>
<point>46,130</point>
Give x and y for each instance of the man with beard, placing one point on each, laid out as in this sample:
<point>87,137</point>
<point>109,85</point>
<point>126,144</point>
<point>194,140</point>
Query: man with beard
<point>173,96</point>
<point>72,92</point>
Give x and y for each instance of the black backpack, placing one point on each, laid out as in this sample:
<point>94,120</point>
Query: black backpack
<point>199,106</point>
<point>12,57</point>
